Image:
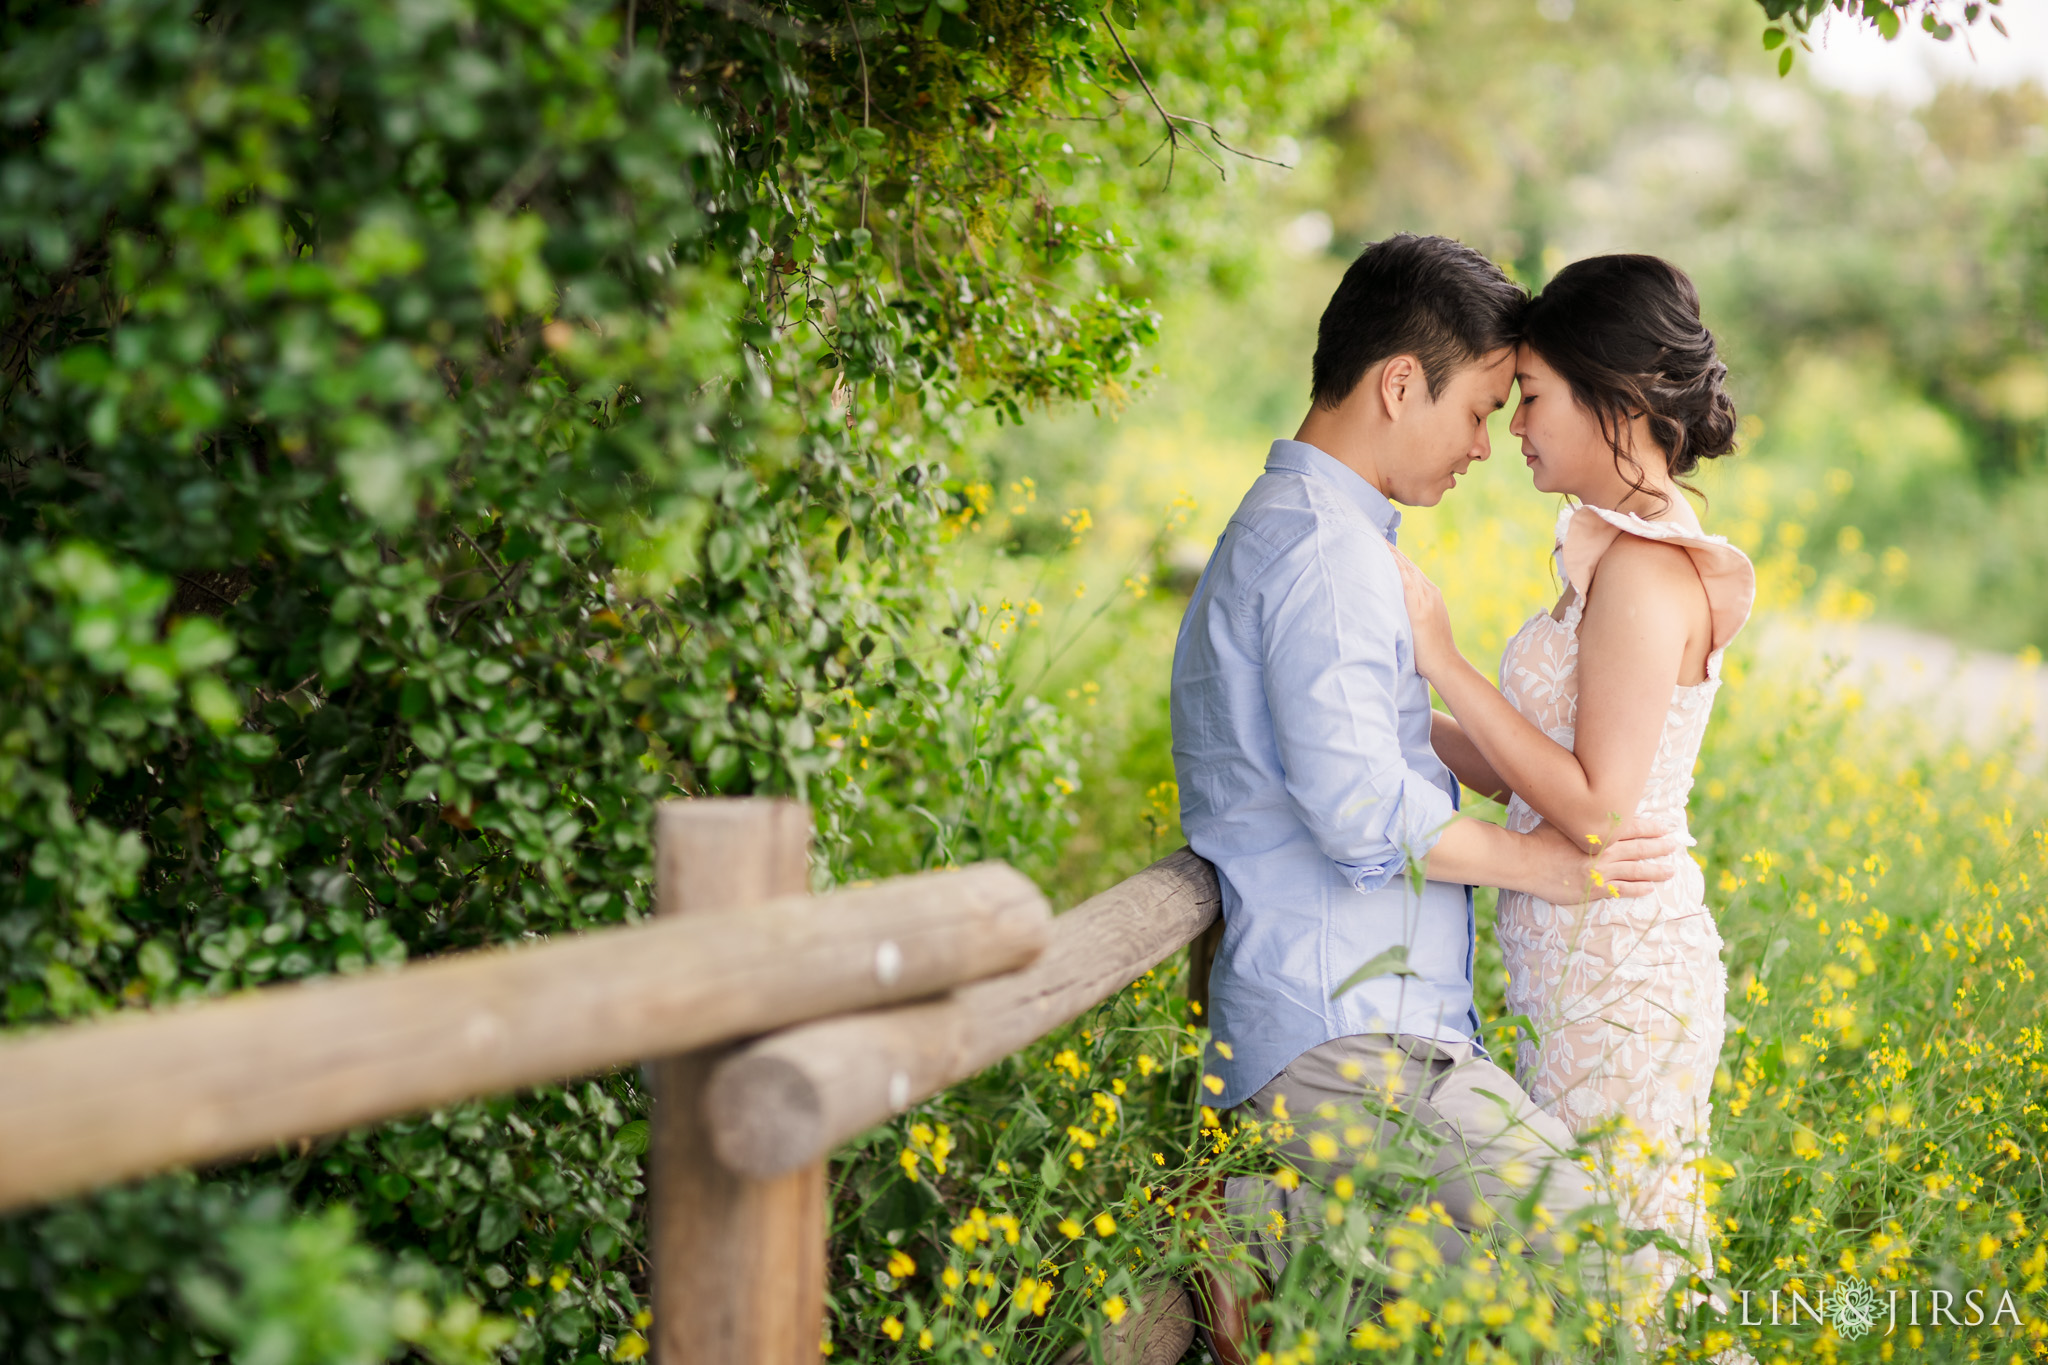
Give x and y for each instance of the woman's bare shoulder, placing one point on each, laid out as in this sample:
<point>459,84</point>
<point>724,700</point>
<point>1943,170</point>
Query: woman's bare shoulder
<point>1654,558</point>
<point>1654,566</point>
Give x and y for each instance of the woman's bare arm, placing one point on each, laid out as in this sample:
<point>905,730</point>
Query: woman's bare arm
<point>1463,758</point>
<point>1547,864</point>
<point>1633,641</point>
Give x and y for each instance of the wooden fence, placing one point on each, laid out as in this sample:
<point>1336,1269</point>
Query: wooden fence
<point>779,1025</point>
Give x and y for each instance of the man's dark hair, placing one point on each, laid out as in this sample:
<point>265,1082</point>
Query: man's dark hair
<point>1430,297</point>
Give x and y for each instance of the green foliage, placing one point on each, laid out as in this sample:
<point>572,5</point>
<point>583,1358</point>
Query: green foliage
<point>1888,17</point>
<point>1871,270</point>
<point>308,1292</point>
<point>1049,1198</point>
<point>958,1214</point>
<point>245,1272</point>
<point>432,433</point>
<point>1879,1111</point>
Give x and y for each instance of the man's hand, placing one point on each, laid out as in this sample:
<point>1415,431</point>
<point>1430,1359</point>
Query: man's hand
<point>1554,866</point>
<point>1629,863</point>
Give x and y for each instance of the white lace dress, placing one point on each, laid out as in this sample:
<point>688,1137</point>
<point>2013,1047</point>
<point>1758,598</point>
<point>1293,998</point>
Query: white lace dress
<point>1627,996</point>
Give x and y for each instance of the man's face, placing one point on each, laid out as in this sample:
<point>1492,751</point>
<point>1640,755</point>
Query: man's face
<point>1437,440</point>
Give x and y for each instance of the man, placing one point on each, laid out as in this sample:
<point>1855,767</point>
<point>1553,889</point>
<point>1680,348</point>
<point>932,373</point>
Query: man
<point>1302,743</point>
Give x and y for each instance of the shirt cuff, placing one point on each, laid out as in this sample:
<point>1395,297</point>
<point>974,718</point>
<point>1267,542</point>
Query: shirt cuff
<point>1419,815</point>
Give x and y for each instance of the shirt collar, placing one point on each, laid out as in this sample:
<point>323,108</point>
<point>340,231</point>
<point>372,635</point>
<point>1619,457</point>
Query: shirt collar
<point>1302,458</point>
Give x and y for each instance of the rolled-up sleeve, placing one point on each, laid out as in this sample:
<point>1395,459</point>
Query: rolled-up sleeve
<point>1331,614</point>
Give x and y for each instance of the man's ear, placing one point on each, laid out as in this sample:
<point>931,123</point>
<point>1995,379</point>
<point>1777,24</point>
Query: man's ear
<point>1400,384</point>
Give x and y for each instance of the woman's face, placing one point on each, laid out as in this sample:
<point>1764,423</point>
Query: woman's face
<point>1561,441</point>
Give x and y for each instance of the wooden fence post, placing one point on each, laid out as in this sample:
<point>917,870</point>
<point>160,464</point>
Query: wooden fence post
<point>1202,952</point>
<point>738,1263</point>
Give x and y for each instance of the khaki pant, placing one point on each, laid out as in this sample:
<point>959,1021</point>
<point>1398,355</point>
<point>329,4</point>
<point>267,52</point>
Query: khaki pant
<point>1491,1144</point>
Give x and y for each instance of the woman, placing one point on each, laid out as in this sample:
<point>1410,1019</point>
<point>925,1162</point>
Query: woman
<point>1602,705</point>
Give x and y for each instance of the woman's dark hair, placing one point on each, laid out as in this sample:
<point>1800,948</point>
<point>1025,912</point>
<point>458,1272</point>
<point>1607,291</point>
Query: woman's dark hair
<point>1625,332</point>
<point>1430,297</point>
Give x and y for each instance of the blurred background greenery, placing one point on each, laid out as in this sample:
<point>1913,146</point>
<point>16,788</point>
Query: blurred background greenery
<point>1874,260</point>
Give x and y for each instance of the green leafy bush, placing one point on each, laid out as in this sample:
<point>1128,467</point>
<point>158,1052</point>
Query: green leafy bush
<point>434,432</point>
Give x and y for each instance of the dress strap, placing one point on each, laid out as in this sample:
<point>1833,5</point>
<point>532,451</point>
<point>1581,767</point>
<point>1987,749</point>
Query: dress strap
<point>1577,608</point>
<point>1585,534</point>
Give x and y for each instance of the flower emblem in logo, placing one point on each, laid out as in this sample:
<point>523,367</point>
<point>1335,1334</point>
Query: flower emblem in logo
<point>1853,1308</point>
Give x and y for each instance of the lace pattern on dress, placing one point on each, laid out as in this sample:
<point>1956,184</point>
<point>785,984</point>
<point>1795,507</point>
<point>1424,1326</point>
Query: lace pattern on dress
<point>1627,996</point>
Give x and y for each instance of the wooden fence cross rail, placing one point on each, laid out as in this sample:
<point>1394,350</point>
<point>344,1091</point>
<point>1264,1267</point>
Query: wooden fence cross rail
<point>784,1102</point>
<point>89,1104</point>
<point>736,951</point>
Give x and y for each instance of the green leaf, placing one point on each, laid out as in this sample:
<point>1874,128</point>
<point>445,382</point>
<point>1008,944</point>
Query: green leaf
<point>633,1138</point>
<point>496,1225</point>
<point>215,704</point>
<point>358,313</point>
<point>86,366</point>
<point>339,649</point>
<point>1773,38</point>
<point>1785,62</point>
<point>1526,1029</point>
<point>1051,1170</point>
<point>158,961</point>
<point>253,747</point>
<point>1392,962</point>
<point>422,783</point>
<point>604,1244</point>
<point>197,643</point>
<point>726,552</point>
<point>80,571</point>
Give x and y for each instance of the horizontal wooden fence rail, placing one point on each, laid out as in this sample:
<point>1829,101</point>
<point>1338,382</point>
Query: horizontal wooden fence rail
<point>742,1121</point>
<point>787,1100</point>
<point>92,1103</point>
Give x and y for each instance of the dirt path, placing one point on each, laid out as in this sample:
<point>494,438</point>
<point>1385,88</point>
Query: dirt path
<point>1983,697</point>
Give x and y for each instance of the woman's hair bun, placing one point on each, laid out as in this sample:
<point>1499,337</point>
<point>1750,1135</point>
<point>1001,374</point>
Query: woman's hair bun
<point>1702,408</point>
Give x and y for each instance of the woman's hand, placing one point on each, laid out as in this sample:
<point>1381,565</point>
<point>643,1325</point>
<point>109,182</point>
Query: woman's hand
<point>1629,863</point>
<point>1427,618</point>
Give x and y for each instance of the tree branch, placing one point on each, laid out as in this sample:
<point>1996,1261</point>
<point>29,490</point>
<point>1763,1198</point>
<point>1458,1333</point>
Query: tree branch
<point>1173,132</point>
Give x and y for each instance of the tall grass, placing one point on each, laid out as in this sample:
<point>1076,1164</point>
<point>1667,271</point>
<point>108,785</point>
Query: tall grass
<point>1882,1101</point>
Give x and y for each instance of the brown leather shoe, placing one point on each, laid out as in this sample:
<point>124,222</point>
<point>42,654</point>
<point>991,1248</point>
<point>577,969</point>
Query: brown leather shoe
<point>1223,1299</point>
<point>1223,1320</point>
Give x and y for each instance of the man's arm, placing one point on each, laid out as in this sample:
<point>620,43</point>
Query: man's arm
<point>1547,864</point>
<point>1329,613</point>
<point>1463,758</point>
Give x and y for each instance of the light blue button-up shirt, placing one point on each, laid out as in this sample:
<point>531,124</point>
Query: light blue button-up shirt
<point>1301,742</point>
